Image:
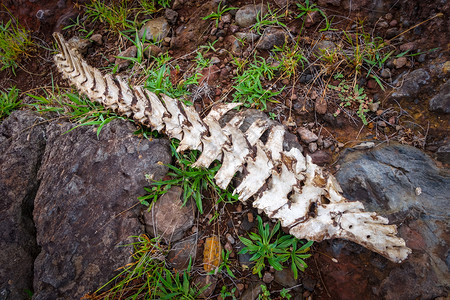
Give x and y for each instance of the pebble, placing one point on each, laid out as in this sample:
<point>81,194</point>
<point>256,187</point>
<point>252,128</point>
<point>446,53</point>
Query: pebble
<point>388,16</point>
<point>228,247</point>
<point>250,217</point>
<point>230,238</point>
<point>327,143</point>
<point>312,147</point>
<point>386,73</point>
<point>408,46</point>
<point>393,23</point>
<point>97,39</point>
<point>239,208</point>
<point>340,145</point>
<point>400,62</point>
<point>268,277</point>
<point>240,286</point>
<point>306,135</point>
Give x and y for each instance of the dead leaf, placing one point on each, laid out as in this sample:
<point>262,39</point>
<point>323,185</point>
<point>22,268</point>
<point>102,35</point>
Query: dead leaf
<point>211,254</point>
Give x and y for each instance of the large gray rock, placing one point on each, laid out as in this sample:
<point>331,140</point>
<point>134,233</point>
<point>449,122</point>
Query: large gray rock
<point>22,143</point>
<point>441,102</point>
<point>85,208</point>
<point>404,184</point>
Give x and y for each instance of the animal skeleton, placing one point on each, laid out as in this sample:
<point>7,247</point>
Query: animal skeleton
<point>286,185</point>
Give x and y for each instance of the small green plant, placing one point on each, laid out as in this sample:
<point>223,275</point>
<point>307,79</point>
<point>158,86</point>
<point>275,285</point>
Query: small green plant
<point>249,88</point>
<point>144,276</point>
<point>151,6</point>
<point>159,79</point>
<point>273,247</point>
<point>78,109</point>
<point>81,27</point>
<point>225,264</point>
<point>201,61</point>
<point>265,293</point>
<point>290,59</point>
<point>173,287</point>
<point>15,43</point>
<point>271,18</point>
<point>297,256</point>
<point>217,16</point>
<point>307,8</point>
<point>9,101</point>
<point>192,180</point>
<point>140,49</point>
<point>353,98</point>
<point>114,15</point>
<point>284,293</point>
<point>224,293</point>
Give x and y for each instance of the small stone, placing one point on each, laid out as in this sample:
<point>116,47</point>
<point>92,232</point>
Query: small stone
<point>382,24</point>
<point>230,238</point>
<point>122,63</point>
<point>441,102</point>
<point>306,135</point>
<point>320,105</point>
<point>312,147</point>
<point>240,286</point>
<point>321,157</point>
<point>239,208</point>
<point>408,46</point>
<point>228,247</point>
<point>171,16</point>
<point>97,39</point>
<point>309,283</point>
<point>374,106</point>
<point>272,37</point>
<point>388,16</point>
<point>372,84</point>
<point>285,278</point>
<point>327,143</point>
<point>393,23</point>
<point>246,15</point>
<point>155,30</point>
<point>400,62</point>
<point>340,145</point>
<point>381,123</point>
<point>215,60</point>
<point>226,18</point>
<point>182,251</point>
<point>208,281</point>
<point>168,218</point>
<point>151,50</point>
<point>268,277</point>
<point>250,217</point>
<point>80,44</point>
<point>386,73</point>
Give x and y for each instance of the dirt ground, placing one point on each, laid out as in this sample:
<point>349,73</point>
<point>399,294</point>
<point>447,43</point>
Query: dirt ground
<point>405,120</point>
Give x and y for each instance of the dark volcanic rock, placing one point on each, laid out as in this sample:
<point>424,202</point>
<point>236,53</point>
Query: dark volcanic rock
<point>22,144</point>
<point>85,208</point>
<point>441,102</point>
<point>404,184</point>
<point>413,82</point>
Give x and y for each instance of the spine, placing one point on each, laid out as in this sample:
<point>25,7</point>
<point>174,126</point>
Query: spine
<point>284,184</point>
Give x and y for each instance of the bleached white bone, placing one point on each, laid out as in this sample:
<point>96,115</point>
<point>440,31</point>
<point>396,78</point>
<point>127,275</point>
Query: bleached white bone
<point>286,185</point>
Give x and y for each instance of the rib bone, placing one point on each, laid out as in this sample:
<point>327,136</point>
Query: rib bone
<point>286,185</point>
